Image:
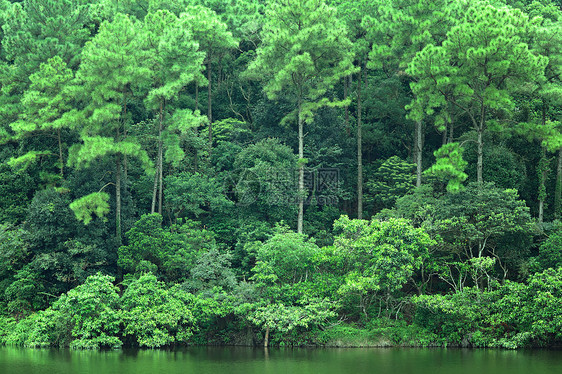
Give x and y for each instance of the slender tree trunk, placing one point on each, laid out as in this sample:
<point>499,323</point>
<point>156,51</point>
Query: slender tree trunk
<point>157,192</point>
<point>155,188</point>
<point>195,150</point>
<point>301,167</point>
<point>160,158</point>
<point>196,95</point>
<point>558,190</point>
<point>480,129</point>
<point>209,107</point>
<point>266,339</point>
<point>451,129</point>
<point>543,170</point>
<point>345,88</point>
<point>479,166</point>
<point>359,151</point>
<point>418,151</point>
<point>118,199</point>
<point>60,155</point>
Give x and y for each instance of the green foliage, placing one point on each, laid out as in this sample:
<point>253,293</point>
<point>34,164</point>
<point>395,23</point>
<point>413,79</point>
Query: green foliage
<point>282,318</point>
<point>393,179</point>
<point>449,166</point>
<point>454,317</point>
<point>93,312</point>
<point>13,253</point>
<point>173,58</point>
<point>514,315</point>
<point>191,195</point>
<point>96,147</point>
<point>208,30</point>
<point>93,94</point>
<point>304,52</point>
<point>85,207</point>
<point>156,315</point>
<point>24,295</point>
<point>285,258</point>
<point>34,32</point>
<point>212,270</point>
<point>168,252</point>
<point>381,256</point>
<point>550,253</point>
<point>16,191</point>
<point>473,63</point>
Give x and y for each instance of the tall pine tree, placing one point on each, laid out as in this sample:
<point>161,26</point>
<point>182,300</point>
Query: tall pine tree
<point>305,51</point>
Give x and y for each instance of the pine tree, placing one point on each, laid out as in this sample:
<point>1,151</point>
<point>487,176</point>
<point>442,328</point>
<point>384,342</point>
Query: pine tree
<point>48,110</point>
<point>476,69</point>
<point>305,51</point>
<point>174,62</point>
<point>214,39</point>
<point>546,39</point>
<point>398,31</point>
<point>34,32</point>
<point>109,73</point>
<point>354,13</point>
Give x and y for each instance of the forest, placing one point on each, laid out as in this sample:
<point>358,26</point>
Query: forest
<point>280,172</point>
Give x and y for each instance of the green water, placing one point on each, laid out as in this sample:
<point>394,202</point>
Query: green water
<point>203,360</point>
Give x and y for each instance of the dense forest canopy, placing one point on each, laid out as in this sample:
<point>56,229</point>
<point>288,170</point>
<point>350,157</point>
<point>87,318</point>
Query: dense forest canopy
<point>295,171</point>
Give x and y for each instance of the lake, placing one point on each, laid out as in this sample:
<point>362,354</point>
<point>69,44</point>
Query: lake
<point>234,360</point>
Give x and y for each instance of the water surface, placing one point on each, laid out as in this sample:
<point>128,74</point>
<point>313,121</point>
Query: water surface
<point>235,360</point>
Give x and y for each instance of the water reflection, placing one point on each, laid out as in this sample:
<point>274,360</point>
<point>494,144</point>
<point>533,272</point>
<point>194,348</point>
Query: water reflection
<point>234,360</point>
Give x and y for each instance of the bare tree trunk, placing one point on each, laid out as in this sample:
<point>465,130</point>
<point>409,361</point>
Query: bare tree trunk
<point>300,218</point>
<point>542,188</point>
<point>266,340</point>
<point>418,151</point>
<point>118,199</point>
<point>160,172</point>
<point>359,151</point>
<point>60,155</point>
<point>155,188</point>
<point>345,89</point>
<point>558,190</point>
<point>196,95</point>
<point>479,166</point>
<point>209,107</point>
<point>543,170</point>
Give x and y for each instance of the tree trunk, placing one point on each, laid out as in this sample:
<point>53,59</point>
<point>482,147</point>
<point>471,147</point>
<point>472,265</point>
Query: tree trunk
<point>558,190</point>
<point>209,107</point>
<point>543,169</point>
<point>266,339</point>
<point>418,151</point>
<point>479,166</point>
<point>155,188</point>
<point>359,151</point>
<point>118,199</point>
<point>196,95</point>
<point>60,155</point>
<point>301,168</point>
<point>345,87</point>
<point>160,171</point>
